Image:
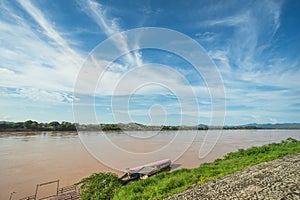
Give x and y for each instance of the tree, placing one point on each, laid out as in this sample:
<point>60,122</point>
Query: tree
<point>110,127</point>
<point>99,186</point>
<point>54,125</point>
<point>31,125</point>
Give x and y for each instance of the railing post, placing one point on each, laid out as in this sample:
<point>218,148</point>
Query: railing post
<point>36,190</point>
<point>57,188</point>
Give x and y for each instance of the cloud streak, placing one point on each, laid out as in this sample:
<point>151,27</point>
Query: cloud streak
<point>49,30</point>
<point>248,63</point>
<point>33,54</point>
<point>235,20</point>
<point>110,27</point>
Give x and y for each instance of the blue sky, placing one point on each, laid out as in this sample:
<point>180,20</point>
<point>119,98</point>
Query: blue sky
<point>254,44</point>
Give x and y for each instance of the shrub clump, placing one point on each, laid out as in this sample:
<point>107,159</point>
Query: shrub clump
<point>99,186</point>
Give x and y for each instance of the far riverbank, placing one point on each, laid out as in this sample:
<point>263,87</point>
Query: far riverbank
<point>30,125</point>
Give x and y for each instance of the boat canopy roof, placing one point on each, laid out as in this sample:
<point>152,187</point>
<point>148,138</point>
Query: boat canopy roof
<point>148,168</point>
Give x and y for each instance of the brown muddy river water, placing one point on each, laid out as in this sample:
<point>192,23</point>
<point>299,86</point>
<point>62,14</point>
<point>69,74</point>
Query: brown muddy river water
<point>30,158</point>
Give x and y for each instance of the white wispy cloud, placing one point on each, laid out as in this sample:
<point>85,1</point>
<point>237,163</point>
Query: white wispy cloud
<point>48,29</point>
<point>252,74</point>
<point>206,36</point>
<point>252,31</point>
<point>151,80</point>
<point>124,79</point>
<point>111,27</point>
<point>35,55</point>
<point>235,20</point>
<point>39,95</point>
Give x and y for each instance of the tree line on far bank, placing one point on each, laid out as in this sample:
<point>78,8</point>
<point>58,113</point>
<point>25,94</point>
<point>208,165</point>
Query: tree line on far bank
<point>30,125</point>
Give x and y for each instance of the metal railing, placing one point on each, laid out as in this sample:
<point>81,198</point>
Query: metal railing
<point>71,192</point>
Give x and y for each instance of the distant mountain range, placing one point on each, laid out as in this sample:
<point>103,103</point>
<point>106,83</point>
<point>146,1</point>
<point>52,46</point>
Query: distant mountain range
<point>279,125</point>
<point>266,126</point>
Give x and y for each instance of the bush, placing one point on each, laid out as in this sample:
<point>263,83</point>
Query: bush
<point>99,186</point>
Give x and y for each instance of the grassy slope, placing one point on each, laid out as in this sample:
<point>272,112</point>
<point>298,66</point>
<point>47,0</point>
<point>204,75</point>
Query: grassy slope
<point>167,184</point>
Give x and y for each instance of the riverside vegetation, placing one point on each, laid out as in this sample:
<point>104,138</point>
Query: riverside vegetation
<point>169,183</point>
<point>31,125</point>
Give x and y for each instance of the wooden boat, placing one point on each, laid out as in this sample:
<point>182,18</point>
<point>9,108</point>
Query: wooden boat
<point>144,171</point>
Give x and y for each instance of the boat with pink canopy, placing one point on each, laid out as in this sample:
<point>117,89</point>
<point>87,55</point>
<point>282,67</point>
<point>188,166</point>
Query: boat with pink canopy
<point>144,171</point>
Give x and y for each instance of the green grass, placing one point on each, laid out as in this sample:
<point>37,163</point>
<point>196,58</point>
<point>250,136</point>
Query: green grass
<point>166,184</point>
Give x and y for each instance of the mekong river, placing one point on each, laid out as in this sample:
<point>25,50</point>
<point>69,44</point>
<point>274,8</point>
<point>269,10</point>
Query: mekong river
<point>27,159</point>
